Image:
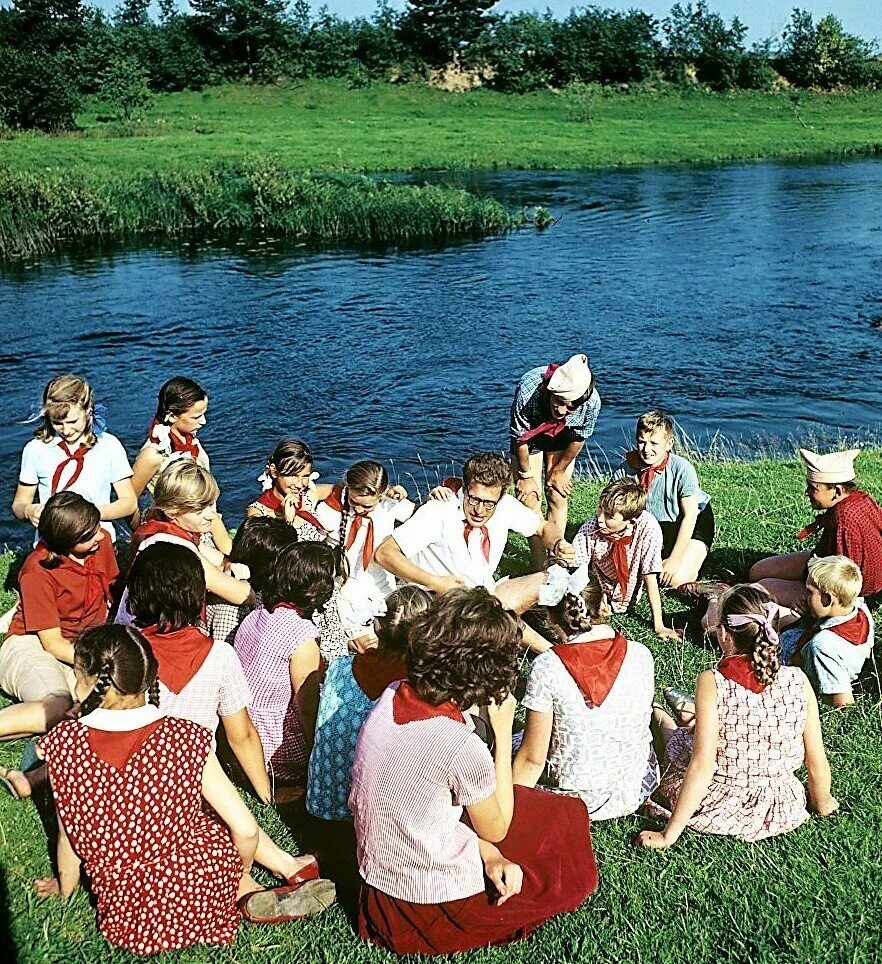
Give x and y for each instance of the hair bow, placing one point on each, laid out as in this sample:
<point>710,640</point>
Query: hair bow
<point>266,483</point>
<point>560,582</point>
<point>764,621</point>
<point>358,602</point>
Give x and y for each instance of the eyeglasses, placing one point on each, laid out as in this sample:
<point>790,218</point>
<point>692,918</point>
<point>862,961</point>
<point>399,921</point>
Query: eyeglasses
<point>569,406</point>
<point>487,504</point>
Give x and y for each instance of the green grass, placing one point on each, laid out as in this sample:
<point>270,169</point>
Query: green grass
<point>323,126</point>
<point>811,895</point>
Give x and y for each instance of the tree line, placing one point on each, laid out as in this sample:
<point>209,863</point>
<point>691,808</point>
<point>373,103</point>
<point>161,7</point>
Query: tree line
<point>55,52</point>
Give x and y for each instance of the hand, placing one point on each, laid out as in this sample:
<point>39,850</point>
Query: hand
<point>506,877</point>
<point>559,482</point>
<point>361,644</point>
<point>443,584</point>
<point>47,887</point>
<point>527,491</point>
<point>665,632</point>
<point>290,505</point>
<point>396,493</point>
<point>238,570</point>
<point>651,840</point>
<point>826,807</point>
<point>501,715</point>
<point>33,512</point>
<point>668,572</point>
<point>442,494</point>
<point>564,551</point>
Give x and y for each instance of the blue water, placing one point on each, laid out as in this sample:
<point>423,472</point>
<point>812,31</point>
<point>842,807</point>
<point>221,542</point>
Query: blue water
<point>744,299</point>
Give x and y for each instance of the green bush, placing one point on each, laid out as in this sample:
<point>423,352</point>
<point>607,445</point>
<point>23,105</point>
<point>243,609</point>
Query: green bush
<point>37,91</point>
<point>520,50</point>
<point>699,40</point>
<point>604,46</point>
<point>823,55</point>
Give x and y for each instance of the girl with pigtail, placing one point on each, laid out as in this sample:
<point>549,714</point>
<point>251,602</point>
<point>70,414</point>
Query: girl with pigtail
<point>755,723</point>
<point>589,704</point>
<point>131,787</point>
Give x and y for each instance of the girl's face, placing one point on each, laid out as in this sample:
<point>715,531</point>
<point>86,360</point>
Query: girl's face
<point>191,420</point>
<point>652,447</point>
<point>90,544</point>
<point>296,483</point>
<point>197,520</point>
<point>72,427</point>
<point>363,504</point>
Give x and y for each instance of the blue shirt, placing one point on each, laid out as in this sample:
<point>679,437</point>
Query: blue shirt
<point>530,408</point>
<point>678,480</point>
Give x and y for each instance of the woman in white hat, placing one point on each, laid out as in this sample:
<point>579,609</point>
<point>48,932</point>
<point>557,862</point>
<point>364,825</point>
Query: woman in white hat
<point>554,411</point>
<point>849,523</point>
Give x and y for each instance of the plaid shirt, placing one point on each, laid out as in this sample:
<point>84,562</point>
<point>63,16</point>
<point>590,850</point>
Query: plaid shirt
<point>529,408</point>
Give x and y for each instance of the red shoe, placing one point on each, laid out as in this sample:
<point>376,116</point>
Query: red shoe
<point>306,872</point>
<point>282,905</point>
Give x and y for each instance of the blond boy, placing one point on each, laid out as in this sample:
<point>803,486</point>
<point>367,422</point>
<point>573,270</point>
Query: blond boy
<point>832,651</point>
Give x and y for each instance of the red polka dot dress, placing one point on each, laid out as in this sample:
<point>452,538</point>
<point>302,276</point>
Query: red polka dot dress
<point>164,871</point>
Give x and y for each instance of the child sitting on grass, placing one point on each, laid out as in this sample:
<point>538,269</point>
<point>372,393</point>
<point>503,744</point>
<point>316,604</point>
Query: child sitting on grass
<point>434,884</point>
<point>756,722</point>
<point>589,704</point>
<point>167,842</point>
<point>277,647</point>
<point>622,544</point>
<point>850,524</point>
<point>839,638</point>
<point>674,497</point>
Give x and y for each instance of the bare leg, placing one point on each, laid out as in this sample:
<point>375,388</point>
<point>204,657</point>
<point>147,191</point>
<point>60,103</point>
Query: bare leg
<point>790,566</point>
<point>20,780</point>
<point>558,505</point>
<point>270,855</point>
<point>520,594</point>
<point>839,700</point>
<point>690,566</point>
<point>787,592</point>
<point>662,727</point>
<point>36,716</point>
<point>537,550</point>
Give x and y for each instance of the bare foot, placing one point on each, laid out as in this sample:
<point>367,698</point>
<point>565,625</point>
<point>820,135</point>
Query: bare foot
<point>17,781</point>
<point>292,865</point>
<point>47,887</point>
<point>247,885</point>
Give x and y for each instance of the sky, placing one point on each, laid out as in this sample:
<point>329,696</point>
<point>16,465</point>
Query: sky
<point>764,18</point>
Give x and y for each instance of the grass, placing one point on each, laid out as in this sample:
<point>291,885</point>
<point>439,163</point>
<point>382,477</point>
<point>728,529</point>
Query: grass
<point>813,894</point>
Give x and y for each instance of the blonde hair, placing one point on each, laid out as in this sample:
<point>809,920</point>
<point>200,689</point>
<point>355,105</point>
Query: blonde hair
<point>650,421</point>
<point>185,487</point>
<point>837,575</point>
<point>59,397</point>
<point>752,599</point>
<point>625,496</point>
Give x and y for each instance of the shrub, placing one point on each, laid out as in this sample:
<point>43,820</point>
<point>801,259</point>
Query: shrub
<point>520,48</point>
<point>124,87</point>
<point>824,55</point>
<point>37,90</point>
<point>699,40</point>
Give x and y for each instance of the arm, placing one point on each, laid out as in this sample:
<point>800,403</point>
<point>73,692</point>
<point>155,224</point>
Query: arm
<point>559,480</point>
<point>146,466</point>
<point>68,864</point>
<point>823,802</point>
<point>650,580</point>
<point>23,505</point>
<point>56,645</point>
<point>491,817</point>
<point>245,743</point>
<point>229,806</point>
<point>125,504</point>
<point>229,589</point>
<point>304,667</point>
<point>526,484</point>
<point>701,767</point>
<point>689,516</point>
<point>221,535</point>
<point>392,559</point>
<point>533,753</point>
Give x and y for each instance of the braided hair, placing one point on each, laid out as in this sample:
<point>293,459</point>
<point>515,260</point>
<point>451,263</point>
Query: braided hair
<point>757,638</point>
<point>578,613</point>
<point>116,656</point>
<point>364,478</point>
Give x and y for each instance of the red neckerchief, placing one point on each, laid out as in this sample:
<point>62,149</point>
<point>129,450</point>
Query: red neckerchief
<point>551,427</point>
<point>374,671</point>
<point>77,458</point>
<point>855,630</point>
<point>273,501</point>
<point>116,749</point>
<point>286,605</point>
<point>647,472</point>
<point>619,555</point>
<point>740,670</point>
<point>409,707</point>
<point>485,538</point>
<point>827,518</point>
<point>339,503</point>
<point>180,654</point>
<point>156,526</point>
<point>98,578</point>
<point>184,442</point>
<point>594,664</point>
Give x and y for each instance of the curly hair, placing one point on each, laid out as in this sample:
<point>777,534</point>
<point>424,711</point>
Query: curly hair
<point>577,614</point>
<point>465,649</point>
<point>116,656</point>
<point>487,468</point>
<point>403,606</point>
<point>751,599</point>
<point>302,575</point>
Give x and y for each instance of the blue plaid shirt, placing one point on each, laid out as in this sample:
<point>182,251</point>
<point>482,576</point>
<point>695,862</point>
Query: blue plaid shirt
<point>530,409</point>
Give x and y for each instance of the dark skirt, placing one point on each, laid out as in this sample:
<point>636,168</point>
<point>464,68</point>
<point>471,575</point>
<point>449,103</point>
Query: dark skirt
<point>549,838</point>
<point>553,443</point>
<point>705,528</point>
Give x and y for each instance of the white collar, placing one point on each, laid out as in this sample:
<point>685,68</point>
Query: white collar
<point>121,721</point>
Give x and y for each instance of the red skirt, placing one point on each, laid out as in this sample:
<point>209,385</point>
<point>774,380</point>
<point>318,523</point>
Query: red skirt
<point>549,838</point>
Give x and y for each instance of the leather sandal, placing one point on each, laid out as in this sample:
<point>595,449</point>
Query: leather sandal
<point>282,905</point>
<point>682,704</point>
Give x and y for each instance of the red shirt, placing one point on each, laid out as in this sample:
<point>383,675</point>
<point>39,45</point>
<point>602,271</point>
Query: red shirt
<point>72,597</point>
<point>853,528</point>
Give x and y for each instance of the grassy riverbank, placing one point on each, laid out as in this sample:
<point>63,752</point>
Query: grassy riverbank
<point>810,895</point>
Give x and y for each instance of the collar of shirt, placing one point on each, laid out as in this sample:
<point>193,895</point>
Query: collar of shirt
<point>121,721</point>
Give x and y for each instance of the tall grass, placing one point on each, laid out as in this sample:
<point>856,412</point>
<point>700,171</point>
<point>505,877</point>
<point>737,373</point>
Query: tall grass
<point>42,211</point>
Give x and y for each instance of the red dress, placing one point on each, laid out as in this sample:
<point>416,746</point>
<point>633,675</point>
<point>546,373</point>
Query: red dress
<point>164,872</point>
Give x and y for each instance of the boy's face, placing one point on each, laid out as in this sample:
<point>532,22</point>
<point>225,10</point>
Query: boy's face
<point>823,496</point>
<point>610,524</point>
<point>479,502</point>
<point>819,603</point>
<point>652,447</point>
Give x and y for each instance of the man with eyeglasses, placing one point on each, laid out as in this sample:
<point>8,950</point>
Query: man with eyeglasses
<point>554,411</point>
<point>458,538</point>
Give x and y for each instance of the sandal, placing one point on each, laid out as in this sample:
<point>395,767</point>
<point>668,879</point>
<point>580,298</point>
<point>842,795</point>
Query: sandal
<point>282,905</point>
<point>682,704</point>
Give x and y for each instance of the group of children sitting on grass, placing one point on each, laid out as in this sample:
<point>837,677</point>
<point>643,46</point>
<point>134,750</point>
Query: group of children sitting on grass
<point>353,658</point>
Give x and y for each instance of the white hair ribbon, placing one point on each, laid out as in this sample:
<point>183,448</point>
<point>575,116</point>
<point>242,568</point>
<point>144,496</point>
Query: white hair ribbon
<point>559,581</point>
<point>358,602</point>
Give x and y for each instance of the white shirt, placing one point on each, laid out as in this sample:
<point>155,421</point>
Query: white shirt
<point>105,463</point>
<point>434,539</point>
<point>384,516</point>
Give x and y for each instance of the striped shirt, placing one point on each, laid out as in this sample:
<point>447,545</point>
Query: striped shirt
<point>410,783</point>
<point>644,556</point>
<point>530,409</point>
<point>265,643</point>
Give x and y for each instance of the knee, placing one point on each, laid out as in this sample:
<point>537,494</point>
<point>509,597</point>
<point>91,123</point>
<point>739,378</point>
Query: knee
<point>756,572</point>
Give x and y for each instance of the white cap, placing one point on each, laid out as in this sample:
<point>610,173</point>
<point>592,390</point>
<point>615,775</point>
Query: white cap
<point>572,379</point>
<point>830,468</point>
